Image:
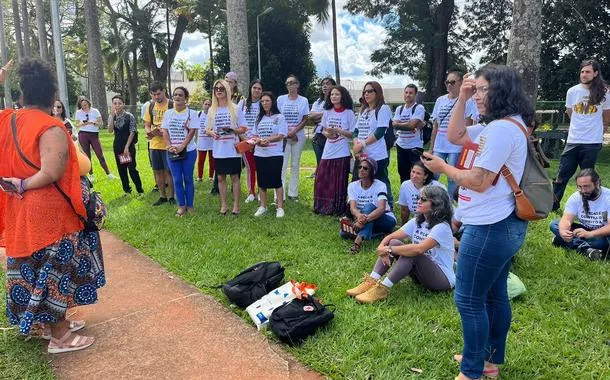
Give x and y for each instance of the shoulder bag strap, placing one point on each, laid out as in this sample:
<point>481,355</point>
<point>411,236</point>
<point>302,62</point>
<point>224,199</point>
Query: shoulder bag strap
<point>31,164</point>
<point>508,175</point>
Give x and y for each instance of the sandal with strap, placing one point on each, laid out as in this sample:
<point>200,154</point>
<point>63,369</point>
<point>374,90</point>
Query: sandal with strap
<point>490,373</point>
<point>69,342</point>
<point>74,327</point>
<point>355,248</point>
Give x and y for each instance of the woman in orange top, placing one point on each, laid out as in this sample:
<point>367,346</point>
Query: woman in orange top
<point>52,263</point>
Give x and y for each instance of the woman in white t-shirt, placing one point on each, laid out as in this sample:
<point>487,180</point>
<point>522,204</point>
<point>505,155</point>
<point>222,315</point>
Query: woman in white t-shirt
<point>493,233</point>
<point>332,177</point>
<point>224,124</point>
<point>179,126</point>
<point>250,108</point>
<point>204,144</point>
<point>315,115</point>
<point>410,189</point>
<point>270,130</point>
<point>368,203</point>
<point>374,119</point>
<point>89,121</point>
<point>295,109</point>
<point>428,259</point>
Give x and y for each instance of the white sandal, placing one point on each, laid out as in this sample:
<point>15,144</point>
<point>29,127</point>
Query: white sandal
<point>74,327</point>
<point>69,342</point>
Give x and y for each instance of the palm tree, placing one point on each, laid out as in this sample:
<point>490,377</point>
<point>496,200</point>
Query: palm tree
<point>237,28</point>
<point>25,18</point>
<point>17,24</point>
<point>183,66</point>
<point>335,49</point>
<point>42,36</point>
<point>319,8</point>
<point>8,101</point>
<point>95,60</point>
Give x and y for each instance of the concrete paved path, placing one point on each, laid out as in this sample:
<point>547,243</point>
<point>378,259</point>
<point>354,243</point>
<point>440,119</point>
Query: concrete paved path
<point>150,324</point>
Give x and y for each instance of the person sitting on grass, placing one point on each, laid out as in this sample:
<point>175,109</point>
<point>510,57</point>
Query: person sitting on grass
<point>410,189</point>
<point>368,203</point>
<point>428,258</point>
<point>591,206</point>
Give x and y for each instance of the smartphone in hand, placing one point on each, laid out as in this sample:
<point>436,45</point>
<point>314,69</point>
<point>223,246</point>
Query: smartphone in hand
<point>9,187</point>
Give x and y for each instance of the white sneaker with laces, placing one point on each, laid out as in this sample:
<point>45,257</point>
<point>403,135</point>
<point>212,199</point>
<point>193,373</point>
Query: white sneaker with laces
<point>279,213</point>
<point>250,198</point>
<point>260,211</point>
<point>110,176</point>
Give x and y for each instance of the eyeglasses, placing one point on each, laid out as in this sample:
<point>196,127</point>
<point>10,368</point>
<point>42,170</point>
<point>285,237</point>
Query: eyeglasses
<point>482,90</point>
<point>451,82</point>
<point>291,82</point>
<point>422,198</point>
<point>369,91</point>
<point>219,89</point>
<point>365,168</point>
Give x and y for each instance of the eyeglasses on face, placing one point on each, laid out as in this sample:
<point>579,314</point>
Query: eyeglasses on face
<point>219,89</point>
<point>422,199</point>
<point>450,82</point>
<point>291,82</point>
<point>369,91</point>
<point>365,168</point>
<point>58,106</point>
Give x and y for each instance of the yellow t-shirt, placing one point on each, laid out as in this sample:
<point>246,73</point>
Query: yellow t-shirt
<point>158,111</point>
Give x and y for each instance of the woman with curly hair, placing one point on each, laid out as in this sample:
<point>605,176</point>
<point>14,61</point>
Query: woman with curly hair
<point>428,258</point>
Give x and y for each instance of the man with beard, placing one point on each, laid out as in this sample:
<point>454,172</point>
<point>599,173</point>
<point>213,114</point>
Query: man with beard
<point>588,107</point>
<point>591,206</point>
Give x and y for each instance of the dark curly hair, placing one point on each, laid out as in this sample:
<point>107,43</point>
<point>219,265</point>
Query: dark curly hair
<point>505,96</point>
<point>37,82</point>
<point>441,208</point>
<point>321,95</point>
<point>346,98</point>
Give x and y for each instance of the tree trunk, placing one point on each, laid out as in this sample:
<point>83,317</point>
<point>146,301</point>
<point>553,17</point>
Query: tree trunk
<point>42,32</point>
<point>336,50</point>
<point>8,100</point>
<point>211,72</point>
<point>95,62</point>
<point>58,50</point>
<point>237,27</point>
<point>132,79</point>
<point>437,58</point>
<point>524,45</point>
<point>160,73</point>
<point>18,33</point>
<point>25,19</point>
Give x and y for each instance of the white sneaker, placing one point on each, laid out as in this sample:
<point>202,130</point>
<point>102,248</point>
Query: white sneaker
<point>91,178</point>
<point>110,176</point>
<point>250,198</point>
<point>279,213</point>
<point>260,211</point>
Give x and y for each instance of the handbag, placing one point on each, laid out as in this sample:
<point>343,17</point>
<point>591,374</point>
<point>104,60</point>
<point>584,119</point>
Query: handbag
<point>177,156</point>
<point>125,159</point>
<point>92,200</point>
<point>243,146</point>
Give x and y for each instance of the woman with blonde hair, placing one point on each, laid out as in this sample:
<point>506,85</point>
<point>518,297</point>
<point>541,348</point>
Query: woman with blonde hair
<point>224,124</point>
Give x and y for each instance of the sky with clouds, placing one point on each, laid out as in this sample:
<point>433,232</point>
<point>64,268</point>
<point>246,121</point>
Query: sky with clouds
<point>358,37</point>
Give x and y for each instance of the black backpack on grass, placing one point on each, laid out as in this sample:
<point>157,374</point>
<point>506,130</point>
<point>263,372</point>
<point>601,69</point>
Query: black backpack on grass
<point>297,320</point>
<point>253,283</point>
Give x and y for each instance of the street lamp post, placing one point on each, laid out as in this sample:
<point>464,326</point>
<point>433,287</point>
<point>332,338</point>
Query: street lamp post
<point>258,39</point>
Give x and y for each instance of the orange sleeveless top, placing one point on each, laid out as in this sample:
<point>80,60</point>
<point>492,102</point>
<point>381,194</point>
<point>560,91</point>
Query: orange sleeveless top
<point>43,216</point>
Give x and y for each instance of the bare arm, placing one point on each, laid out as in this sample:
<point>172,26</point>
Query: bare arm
<point>299,126</point>
<point>410,250</point>
<point>477,179</point>
<point>433,137</point>
<point>54,153</point>
<point>315,117</point>
<point>111,123</point>
<point>456,131</point>
<point>404,214</point>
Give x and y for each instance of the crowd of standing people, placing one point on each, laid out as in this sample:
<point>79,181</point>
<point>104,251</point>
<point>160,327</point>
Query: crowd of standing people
<point>486,112</point>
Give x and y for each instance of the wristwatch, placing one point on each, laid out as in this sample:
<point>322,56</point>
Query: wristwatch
<point>389,250</point>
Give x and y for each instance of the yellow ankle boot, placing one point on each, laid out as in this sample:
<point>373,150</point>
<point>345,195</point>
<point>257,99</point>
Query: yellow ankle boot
<point>376,293</point>
<point>366,284</point>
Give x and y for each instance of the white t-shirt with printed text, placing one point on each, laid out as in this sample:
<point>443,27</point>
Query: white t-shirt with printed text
<point>443,109</point>
<point>178,124</point>
<point>92,115</point>
<point>294,111</point>
<point>204,142</point>
<point>337,147</point>
<point>376,192</point>
<point>599,209</point>
<point>442,253</point>
<point>409,194</point>
<point>271,126</point>
<point>500,142</point>
<point>368,122</point>
<point>318,106</point>
<point>413,138</point>
<point>250,114</point>
<point>586,123</point>
<point>224,145</point>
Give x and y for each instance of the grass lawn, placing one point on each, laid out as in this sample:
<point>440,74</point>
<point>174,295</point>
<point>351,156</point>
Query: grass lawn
<point>560,330</point>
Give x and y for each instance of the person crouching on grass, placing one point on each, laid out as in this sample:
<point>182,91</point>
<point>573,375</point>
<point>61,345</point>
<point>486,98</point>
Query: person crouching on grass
<point>428,258</point>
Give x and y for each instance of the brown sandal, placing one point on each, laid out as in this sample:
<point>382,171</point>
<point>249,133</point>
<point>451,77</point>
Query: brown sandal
<point>355,248</point>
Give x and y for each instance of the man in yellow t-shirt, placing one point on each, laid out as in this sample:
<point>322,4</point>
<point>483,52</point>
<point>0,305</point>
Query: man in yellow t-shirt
<point>158,152</point>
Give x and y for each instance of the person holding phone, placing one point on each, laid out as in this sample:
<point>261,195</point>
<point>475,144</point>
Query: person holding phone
<point>123,125</point>
<point>44,235</point>
<point>89,123</point>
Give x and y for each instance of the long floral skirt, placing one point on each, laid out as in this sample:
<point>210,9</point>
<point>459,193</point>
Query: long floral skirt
<point>40,288</point>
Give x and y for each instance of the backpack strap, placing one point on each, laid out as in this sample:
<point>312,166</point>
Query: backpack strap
<point>506,173</point>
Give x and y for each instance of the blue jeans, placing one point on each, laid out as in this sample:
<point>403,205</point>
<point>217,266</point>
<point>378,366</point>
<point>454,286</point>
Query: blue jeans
<point>480,291</point>
<point>451,159</point>
<point>597,243</point>
<point>383,225</point>
<point>182,174</point>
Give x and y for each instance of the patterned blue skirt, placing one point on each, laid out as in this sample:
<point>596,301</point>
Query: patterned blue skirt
<point>40,288</point>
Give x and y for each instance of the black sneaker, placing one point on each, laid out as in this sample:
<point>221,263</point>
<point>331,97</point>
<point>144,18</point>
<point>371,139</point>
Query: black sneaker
<point>214,192</point>
<point>160,202</point>
<point>155,189</point>
<point>171,201</point>
<point>593,254</point>
<point>558,242</point>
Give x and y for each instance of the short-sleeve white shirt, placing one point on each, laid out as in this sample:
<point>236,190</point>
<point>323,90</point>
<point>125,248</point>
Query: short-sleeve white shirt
<point>294,111</point>
<point>586,123</point>
<point>92,115</point>
<point>599,209</point>
<point>368,122</point>
<point>178,124</point>
<point>337,147</point>
<point>376,192</point>
<point>270,126</point>
<point>443,109</point>
<point>409,194</point>
<point>224,145</point>
<point>413,138</point>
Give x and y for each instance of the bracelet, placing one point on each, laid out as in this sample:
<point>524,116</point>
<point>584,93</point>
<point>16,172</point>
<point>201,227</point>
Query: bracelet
<point>21,189</point>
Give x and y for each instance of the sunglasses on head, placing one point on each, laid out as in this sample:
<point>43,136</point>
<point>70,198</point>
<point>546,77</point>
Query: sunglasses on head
<point>219,89</point>
<point>369,91</point>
